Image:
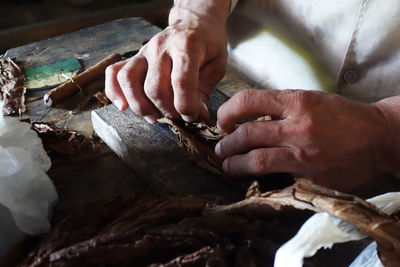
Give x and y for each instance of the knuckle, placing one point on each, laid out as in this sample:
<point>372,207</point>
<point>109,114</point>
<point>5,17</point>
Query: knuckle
<point>110,70</point>
<point>258,162</point>
<point>309,154</point>
<point>179,81</point>
<point>244,99</point>
<point>184,108</point>
<point>305,99</point>
<point>123,78</point>
<point>153,92</point>
<point>243,134</point>
<point>189,40</point>
<point>314,153</point>
<point>306,128</point>
<point>301,98</point>
<point>158,41</point>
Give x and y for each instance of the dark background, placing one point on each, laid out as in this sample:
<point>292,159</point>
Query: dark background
<point>26,21</point>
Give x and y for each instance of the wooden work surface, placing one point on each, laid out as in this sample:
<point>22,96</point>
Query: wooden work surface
<point>86,177</point>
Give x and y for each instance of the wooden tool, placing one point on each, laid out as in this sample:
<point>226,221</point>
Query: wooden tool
<point>75,85</point>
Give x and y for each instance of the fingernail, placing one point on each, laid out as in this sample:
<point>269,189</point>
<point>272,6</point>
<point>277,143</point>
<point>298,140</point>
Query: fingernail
<point>187,118</point>
<point>218,150</point>
<point>150,119</point>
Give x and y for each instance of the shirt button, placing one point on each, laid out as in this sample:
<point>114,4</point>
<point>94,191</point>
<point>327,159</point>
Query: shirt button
<point>350,76</point>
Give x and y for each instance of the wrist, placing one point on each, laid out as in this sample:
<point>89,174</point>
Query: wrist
<point>390,111</point>
<point>215,10</point>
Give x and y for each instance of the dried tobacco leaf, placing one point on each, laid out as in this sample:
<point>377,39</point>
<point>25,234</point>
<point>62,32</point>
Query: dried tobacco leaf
<point>12,90</point>
<point>102,98</point>
<point>58,139</point>
<point>148,230</point>
<point>198,140</point>
<point>304,194</point>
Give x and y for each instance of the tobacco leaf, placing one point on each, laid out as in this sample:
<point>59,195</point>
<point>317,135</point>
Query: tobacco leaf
<point>102,98</point>
<point>12,90</point>
<point>304,194</point>
<point>149,230</point>
<point>198,140</point>
<point>99,97</point>
<point>58,139</point>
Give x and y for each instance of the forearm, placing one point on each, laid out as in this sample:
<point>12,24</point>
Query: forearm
<point>390,108</point>
<point>215,9</point>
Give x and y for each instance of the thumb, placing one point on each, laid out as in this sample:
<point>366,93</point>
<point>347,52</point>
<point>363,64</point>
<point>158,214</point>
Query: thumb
<point>204,114</point>
<point>210,74</point>
<point>249,104</point>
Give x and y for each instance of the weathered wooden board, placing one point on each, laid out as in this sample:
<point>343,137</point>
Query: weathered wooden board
<point>153,153</point>
<point>91,45</point>
<point>84,179</point>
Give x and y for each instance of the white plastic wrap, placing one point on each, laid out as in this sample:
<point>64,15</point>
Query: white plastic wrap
<point>26,192</point>
<point>368,257</point>
<point>322,230</point>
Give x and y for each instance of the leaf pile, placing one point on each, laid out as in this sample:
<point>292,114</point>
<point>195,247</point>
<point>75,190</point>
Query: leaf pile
<point>146,230</point>
<point>304,194</point>
<point>12,90</point>
<point>58,139</point>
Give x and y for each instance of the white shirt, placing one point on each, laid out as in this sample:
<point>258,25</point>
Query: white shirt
<point>351,47</point>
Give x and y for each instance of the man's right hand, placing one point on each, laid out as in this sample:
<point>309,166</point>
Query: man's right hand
<point>174,73</point>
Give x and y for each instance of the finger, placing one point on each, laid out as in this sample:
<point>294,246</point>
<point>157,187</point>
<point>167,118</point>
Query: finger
<point>157,85</point>
<point>130,79</point>
<point>185,81</point>
<point>249,104</point>
<point>210,74</point>
<point>261,161</point>
<point>249,136</point>
<point>112,89</point>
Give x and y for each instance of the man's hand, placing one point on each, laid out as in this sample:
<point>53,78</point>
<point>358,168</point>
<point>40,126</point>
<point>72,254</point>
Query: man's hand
<point>174,73</point>
<point>325,137</point>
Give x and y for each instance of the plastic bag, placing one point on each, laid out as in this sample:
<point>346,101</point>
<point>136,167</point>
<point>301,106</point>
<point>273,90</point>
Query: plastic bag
<point>26,192</point>
<point>368,257</point>
<point>322,231</point>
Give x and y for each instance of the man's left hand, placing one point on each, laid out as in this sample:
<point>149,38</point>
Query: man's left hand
<point>321,136</point>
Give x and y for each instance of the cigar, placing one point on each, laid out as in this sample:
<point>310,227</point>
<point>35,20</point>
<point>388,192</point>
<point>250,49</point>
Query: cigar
<point>74,85</point>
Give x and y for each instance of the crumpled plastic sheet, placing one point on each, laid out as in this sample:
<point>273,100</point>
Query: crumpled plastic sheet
<point>323,230</point>
<point>368,257</point>
<point>26,192</point>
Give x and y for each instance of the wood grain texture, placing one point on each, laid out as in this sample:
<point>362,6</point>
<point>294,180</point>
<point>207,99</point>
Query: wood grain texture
<point>90,177</point>
<point>153,153</point>
<point>88,45</point>
<point>85,179</point>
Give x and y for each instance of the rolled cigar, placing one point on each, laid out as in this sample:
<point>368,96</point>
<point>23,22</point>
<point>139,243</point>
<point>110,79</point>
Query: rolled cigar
<point>74,85</point>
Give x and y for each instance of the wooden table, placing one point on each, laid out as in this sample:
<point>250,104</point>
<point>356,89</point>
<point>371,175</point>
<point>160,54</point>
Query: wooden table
<point>85,178</point>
